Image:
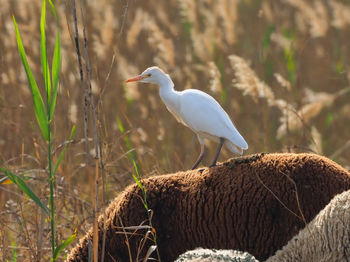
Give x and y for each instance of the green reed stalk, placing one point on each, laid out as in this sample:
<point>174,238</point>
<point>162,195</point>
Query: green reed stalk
<point>51,198</point>
<point>44,117</point>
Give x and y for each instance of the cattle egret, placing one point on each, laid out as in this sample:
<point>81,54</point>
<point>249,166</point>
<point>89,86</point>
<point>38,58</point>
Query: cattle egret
<point>198,111</point>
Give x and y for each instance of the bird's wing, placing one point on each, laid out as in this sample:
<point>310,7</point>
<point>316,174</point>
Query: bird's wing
<point>203,113</point>
<point>176,115</point>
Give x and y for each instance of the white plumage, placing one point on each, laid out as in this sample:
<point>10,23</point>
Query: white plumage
<point>198,111</point>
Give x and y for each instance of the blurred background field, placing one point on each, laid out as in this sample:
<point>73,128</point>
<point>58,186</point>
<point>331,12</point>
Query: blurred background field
<point>280,68</point>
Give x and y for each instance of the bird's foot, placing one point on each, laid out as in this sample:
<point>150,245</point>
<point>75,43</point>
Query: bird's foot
<point>212,165</point>
<point>216,164</point>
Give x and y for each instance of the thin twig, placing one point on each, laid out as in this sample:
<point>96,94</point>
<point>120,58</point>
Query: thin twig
<point>102,91</point>
<point>23,225</point>
<point>298,203</point>
<point>103,203</point>
<point>296,196</point>
<point>88,73</point>
<point>95,229</point>
<point>95,135</point>
<point>126,238</point>
<point>340,150</point>
<point>41,230</point>
<point>276,196</point>
<point>90,251</point>
<point>86,124</point>
<point>81,72</point>
<point>124,16</point>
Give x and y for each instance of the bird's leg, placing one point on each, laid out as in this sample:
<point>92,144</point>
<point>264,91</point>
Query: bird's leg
<point>201,155</point>
<point>222,140</point>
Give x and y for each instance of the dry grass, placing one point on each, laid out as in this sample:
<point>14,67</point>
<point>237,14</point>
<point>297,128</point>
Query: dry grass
<point>279,68</point>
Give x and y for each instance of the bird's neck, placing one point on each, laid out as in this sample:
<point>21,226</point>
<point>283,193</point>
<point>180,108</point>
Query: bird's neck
<point>165,82</point>
<point>167,92</point>
<point>166,85</point>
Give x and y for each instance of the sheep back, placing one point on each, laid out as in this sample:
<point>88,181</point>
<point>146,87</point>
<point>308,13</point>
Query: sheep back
<point>325,239</point>
<point>246,204</point>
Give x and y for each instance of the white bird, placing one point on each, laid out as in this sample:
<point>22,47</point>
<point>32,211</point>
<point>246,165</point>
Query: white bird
<point>198,111</point>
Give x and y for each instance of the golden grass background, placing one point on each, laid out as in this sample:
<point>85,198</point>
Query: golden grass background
<point>280,68</point>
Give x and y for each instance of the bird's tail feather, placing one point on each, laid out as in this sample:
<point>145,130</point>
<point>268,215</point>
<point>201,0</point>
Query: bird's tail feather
<point>233,148</point>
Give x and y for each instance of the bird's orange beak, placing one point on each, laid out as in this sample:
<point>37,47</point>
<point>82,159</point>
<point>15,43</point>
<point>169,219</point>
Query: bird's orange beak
<point>135,79</point>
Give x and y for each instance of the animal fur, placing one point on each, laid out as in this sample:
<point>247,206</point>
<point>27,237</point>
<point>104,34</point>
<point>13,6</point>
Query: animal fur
<point>231,206</point>
<point>212,255</point>
<point>325,239</point>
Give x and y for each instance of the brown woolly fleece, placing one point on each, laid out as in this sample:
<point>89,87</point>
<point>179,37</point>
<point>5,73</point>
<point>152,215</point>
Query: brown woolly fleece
<point>231,206</point>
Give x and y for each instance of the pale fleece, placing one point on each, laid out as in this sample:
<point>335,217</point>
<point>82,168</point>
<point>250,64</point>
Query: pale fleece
<point>325,239</point>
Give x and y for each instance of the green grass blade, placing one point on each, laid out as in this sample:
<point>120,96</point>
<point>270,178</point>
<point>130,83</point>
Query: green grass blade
<point>136,168</point>
<point>56,65</point>
<point>24,188</point>
<point>120,125</point>
<point>64,150</point>
<point>266,41</point>
<point>39,106</point>
<point>14,252</point>
<point>43,53</point>
<point>53,9</point>
<point>65,243</point>
<point>138,182</point>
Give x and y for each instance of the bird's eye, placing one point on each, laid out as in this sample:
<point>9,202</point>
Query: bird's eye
<point>148,75</point>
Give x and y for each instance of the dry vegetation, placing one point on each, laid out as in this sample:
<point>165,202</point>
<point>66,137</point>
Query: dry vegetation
<point>279,67</point>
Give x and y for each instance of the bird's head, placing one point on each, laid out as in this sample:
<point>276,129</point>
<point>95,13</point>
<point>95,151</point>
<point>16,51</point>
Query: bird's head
<point>152,74</point>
